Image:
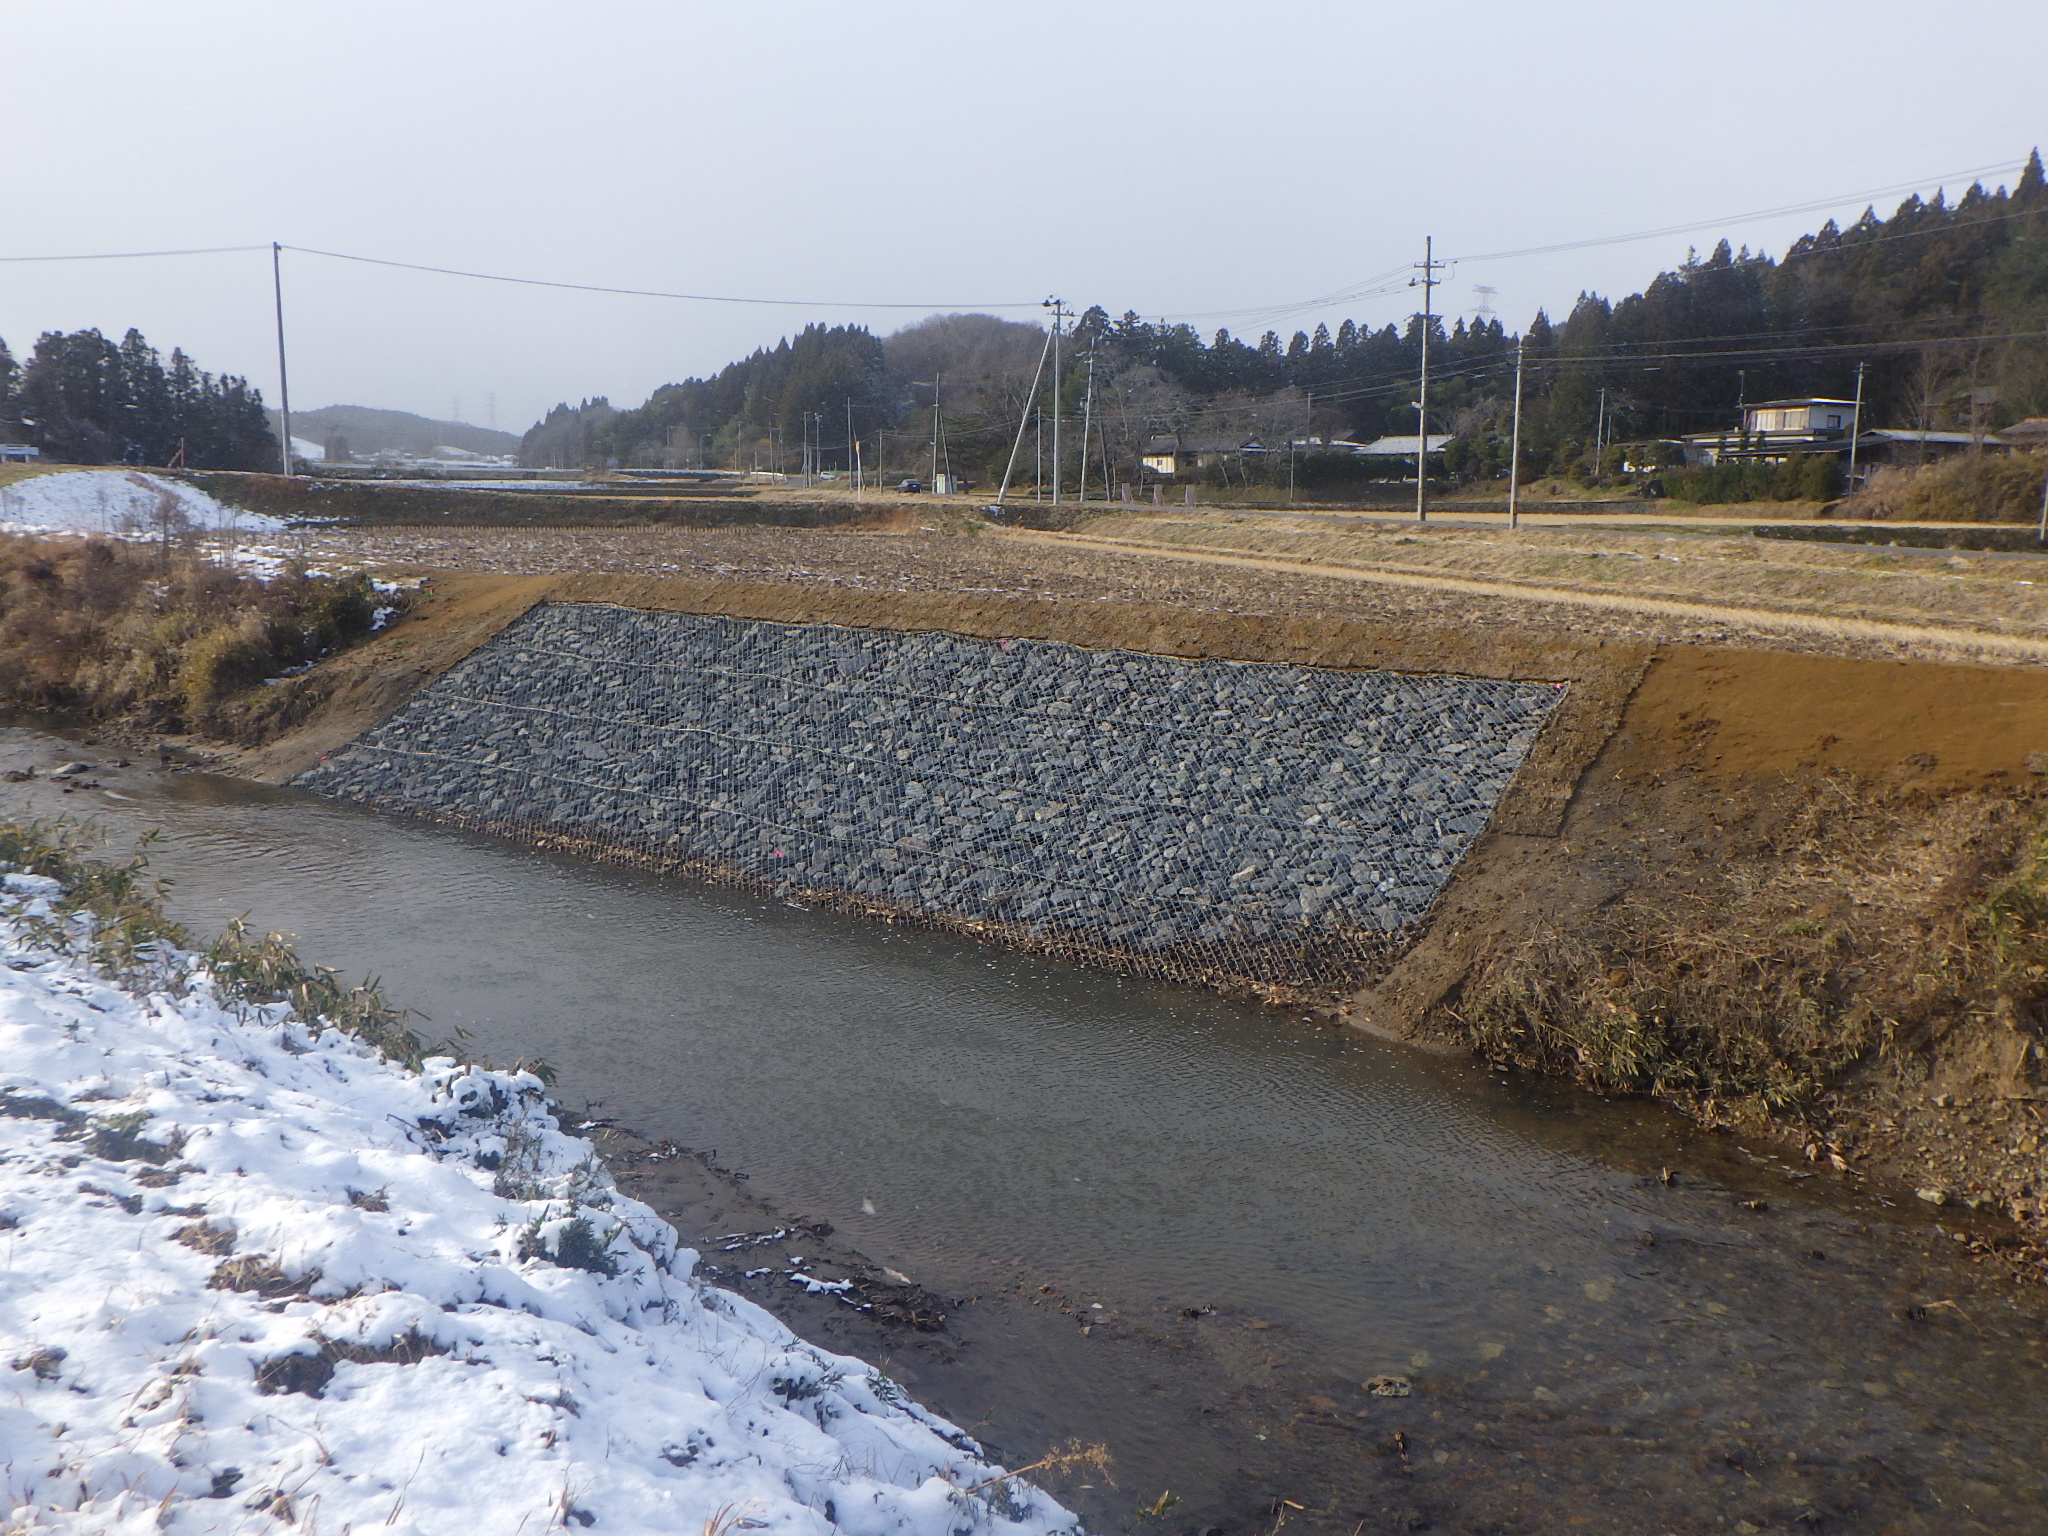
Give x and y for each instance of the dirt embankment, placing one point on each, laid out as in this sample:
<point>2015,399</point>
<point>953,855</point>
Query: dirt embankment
<point>1790,893</point>
<point>1800,895</point>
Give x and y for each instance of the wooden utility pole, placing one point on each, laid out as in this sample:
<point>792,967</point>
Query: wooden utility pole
<point>1059,314</point>
<point>1855,427</point>
<point>1088,421</point>
<point>1430,267</point>
<point>284,386</point>
<point>1515,446</point>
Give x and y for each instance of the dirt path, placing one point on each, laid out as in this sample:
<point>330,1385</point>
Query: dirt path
<point>1956,643</point>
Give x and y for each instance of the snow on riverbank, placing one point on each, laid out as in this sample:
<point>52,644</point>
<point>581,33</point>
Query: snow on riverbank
<point>115,501</point>
<point>253,1275</point>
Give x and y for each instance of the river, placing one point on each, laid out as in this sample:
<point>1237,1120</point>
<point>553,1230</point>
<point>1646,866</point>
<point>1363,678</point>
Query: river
<point>1250,1215</point>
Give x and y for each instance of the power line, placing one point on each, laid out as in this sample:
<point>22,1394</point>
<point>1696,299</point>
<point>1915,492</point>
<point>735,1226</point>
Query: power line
<point>531,282</point>
<point>1277,311</point>
<point>1744,218</point>
<point>138,254</point>
<point>652,293</point>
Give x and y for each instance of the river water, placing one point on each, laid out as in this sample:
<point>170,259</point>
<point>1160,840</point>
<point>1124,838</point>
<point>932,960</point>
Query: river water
<point>1589,1346</point>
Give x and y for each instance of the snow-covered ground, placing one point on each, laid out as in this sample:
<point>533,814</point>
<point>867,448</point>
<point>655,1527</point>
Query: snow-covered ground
<point>253,1276</point>
<point>115,501</point>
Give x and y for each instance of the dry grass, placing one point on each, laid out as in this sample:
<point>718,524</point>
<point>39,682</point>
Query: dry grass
<point>130,938</point>
<point>1872,928</point>
<point>1811,583</point>
<point>2001,594</point>
<point>165,639</point>
<point>1970,488</point>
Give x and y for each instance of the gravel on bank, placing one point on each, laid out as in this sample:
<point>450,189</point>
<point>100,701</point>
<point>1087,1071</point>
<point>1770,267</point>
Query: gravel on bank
<point>1275,821</point>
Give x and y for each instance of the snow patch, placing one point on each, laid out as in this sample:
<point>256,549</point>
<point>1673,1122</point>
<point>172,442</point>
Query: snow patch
<point>256,1276</point>
<point>118,502</point>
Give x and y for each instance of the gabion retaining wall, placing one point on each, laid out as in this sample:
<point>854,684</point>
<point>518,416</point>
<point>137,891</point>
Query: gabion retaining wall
<point>1229,822</point>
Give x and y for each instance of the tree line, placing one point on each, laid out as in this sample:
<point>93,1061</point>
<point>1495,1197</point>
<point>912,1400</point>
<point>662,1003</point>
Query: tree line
<point>1945,305</point>
<point>83,399</point>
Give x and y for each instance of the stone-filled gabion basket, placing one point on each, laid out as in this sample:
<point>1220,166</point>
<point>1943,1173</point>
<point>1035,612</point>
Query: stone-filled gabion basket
<point>1237,824</point>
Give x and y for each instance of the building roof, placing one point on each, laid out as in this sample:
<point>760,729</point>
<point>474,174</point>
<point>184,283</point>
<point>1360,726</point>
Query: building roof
<point>1768,405</point>
<point>1911,435</point>
<point>1409,446</point>
<point>1213,442</point>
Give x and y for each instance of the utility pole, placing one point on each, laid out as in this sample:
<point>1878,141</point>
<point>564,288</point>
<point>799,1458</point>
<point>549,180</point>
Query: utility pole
<point>1856,429</point>
<point>284,386</point>
<point>933,483</point>
<point>1023,421</point>
<point>1599,433</point>
<point>2041,533</point>
<point>852,463</point>
<point>1087,421</point>
<point>1430,267</point>
<point>1059,313</point>
<point>1515,446</point>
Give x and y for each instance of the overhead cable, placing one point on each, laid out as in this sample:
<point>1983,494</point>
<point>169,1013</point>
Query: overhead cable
<point>655,293</point>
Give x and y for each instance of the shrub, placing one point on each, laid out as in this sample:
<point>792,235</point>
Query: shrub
<point>1978,488</point>
<point>1812,477</point>
<point>165,638</point>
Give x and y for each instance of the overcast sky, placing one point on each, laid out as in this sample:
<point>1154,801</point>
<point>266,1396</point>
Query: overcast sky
<point>1182,160</point>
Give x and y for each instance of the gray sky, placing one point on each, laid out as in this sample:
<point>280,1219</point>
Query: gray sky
<point>1177,159</point>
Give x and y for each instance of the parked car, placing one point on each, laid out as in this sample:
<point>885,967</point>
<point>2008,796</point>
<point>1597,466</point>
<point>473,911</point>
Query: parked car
<point>910,487</point>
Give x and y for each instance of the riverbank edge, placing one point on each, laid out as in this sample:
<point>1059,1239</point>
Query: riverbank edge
<point>1725,749</point>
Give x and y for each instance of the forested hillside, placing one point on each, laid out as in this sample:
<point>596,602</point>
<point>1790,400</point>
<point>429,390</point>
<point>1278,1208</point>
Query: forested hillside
<point>368,431</point>
<point>83,399</point>
<point>1947,305</point>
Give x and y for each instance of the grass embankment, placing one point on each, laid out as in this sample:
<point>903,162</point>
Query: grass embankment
<point>166,640</point>
<point>130,939</point>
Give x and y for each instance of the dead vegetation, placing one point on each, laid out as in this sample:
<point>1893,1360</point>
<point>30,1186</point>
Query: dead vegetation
<point>1971,488</point>
<point>1733,576</point>
<point>1728,569</point>
<point>1872,942</point>
<point>166,639</point>
<point>128,937</point>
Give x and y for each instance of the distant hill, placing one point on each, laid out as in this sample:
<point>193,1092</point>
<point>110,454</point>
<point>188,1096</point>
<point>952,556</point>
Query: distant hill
<point>373,431</point>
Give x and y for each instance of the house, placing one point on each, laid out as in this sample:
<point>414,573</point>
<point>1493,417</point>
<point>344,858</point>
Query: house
<point>2030,433</point>
<point>1177,453</point>
<point>1778,429</point>
<point>1890,445</point>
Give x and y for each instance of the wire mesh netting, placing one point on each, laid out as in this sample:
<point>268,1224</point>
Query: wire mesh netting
<point>1246,823</point>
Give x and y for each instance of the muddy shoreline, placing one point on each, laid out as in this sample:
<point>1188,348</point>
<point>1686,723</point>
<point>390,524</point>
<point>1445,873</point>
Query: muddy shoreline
<point>1242,1428</point>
